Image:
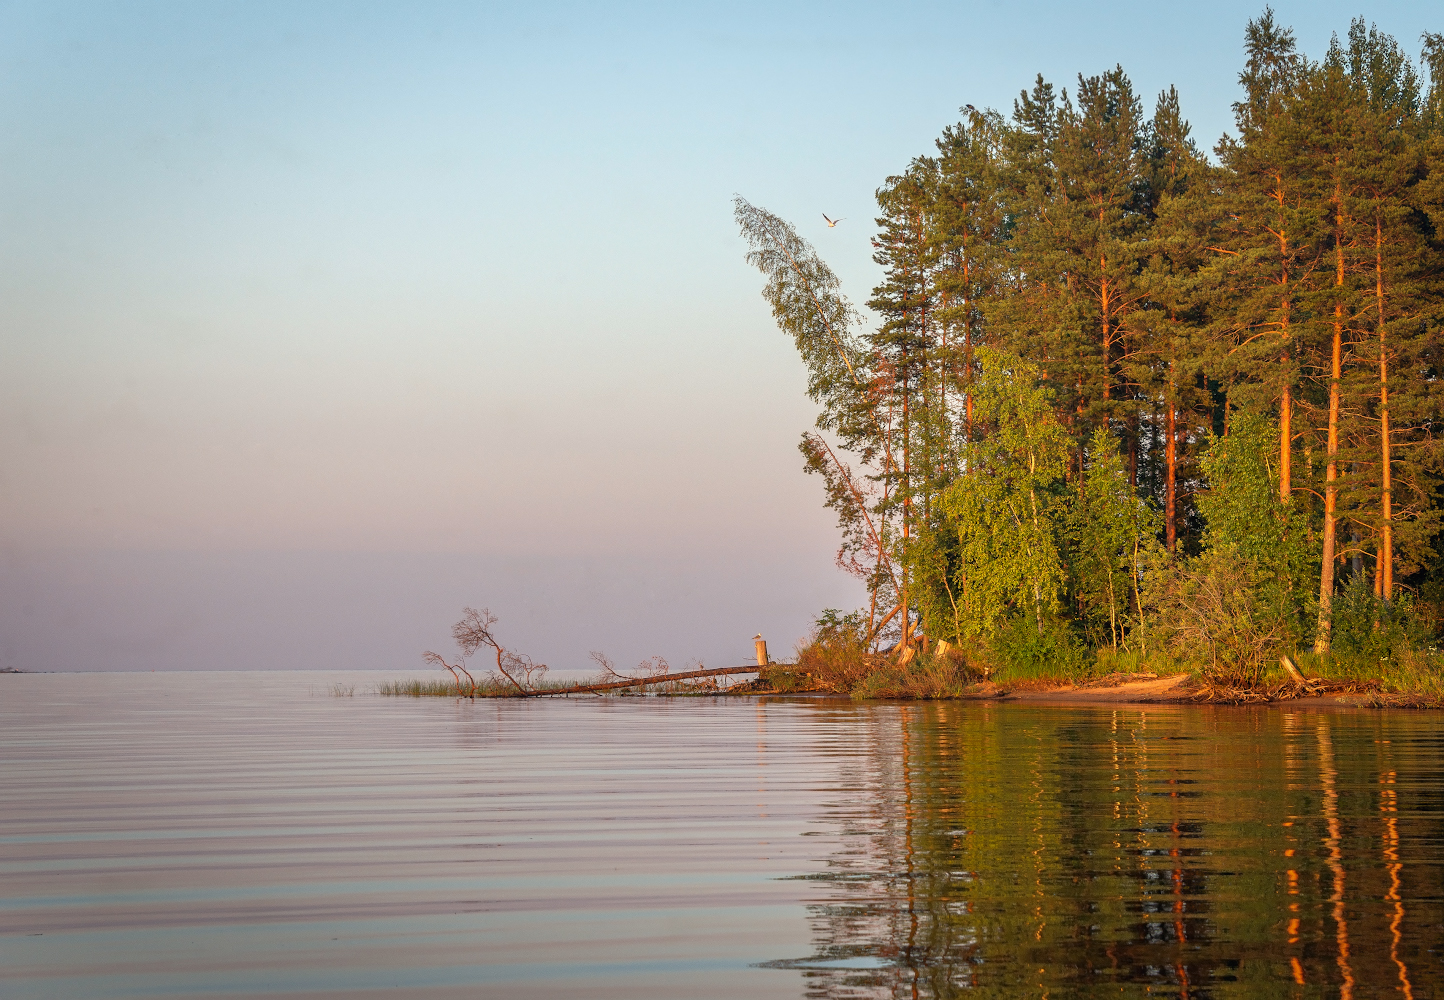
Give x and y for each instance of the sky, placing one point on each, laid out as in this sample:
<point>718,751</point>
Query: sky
<point>321,321</point>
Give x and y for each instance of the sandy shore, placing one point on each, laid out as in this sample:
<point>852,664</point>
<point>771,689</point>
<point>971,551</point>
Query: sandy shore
<point>1140,692</point>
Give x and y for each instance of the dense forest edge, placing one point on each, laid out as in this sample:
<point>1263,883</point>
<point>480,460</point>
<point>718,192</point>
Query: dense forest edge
<point>1124,410</point>
<point>1124,413</point>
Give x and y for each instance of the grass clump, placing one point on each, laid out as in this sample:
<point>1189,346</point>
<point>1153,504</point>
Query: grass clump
<point>430,687</point>
<point>835,658</point>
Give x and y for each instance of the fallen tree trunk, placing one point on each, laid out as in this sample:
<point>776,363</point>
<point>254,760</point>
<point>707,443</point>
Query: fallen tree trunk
<point>639,681</point>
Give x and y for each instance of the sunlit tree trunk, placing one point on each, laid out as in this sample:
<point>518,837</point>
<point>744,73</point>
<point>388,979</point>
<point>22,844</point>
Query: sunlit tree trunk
<point>1286,402</point>
<point>1331,473</point>
<point>1385,569</point>
<point>1170,498</point>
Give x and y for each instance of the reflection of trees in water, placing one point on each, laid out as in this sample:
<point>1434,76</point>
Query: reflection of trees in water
<point>1001,850</point>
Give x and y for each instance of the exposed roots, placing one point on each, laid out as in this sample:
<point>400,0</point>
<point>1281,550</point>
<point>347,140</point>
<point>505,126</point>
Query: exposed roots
<point>1228,694</point>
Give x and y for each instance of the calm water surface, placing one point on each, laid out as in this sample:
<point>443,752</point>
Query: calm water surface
<point>224,835</point>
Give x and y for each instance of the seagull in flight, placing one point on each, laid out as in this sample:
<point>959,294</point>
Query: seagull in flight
<point>831,222</point>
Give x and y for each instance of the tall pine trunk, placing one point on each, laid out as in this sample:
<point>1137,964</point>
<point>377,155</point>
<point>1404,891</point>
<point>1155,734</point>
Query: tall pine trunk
<point>1286,412</point>
<point>1331,473</point>
<point>907,511</point>
<point>1170,497</point>
<point>1385,569</point>
<point>1286,402</point>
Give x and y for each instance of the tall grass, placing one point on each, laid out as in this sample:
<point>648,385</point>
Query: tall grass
<point>492,687</point>
<point>486,687</point>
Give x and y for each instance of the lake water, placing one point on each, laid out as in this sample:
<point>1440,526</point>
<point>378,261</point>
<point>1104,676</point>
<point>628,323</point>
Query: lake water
<point>230,835</point>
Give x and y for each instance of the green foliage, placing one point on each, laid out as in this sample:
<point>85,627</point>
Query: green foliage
<point>835,628</point>
<point>1024,648</point>
<point>1369,629</point>
<point>1246,597</point>
<point>1242,504</point>
<point>807,303</point>
<point>1247,521</point>
<point>1006,508</point>
<point>1222,608</point>
<point>1092,346</point>
<point>1107,526</point>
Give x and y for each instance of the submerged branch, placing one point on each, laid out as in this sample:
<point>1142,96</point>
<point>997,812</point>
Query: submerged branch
<point>639,681</point>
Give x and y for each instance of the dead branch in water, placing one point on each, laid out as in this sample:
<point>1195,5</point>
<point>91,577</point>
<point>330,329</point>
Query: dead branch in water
<point>656,667</point>
<point>475,631</point>
<point>626,682</point>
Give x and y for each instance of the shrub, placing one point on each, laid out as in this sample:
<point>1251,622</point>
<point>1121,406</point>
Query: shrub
<point>835,657</point>
<point>1224,609</point>
<point>924,677</point>
<point>1368,628</point>
<point>1024,649</point>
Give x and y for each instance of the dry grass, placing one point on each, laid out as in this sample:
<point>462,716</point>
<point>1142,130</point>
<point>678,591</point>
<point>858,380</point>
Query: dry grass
<point>500,687</point>
<point>837,665</point>
<point>925,678</point>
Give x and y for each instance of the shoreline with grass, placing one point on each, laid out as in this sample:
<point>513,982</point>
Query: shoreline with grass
<point>950,678</point>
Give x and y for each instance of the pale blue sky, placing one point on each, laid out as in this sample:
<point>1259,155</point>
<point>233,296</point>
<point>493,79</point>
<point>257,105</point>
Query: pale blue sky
<point>460,282</point>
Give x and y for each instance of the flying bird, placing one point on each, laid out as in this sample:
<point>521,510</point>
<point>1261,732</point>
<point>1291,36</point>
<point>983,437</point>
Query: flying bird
<point>831,222</point>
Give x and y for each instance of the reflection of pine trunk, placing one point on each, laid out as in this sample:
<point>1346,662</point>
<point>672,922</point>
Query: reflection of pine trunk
<point>1327,777</point>
<point>1291,759</point>
<point>1389,807</point>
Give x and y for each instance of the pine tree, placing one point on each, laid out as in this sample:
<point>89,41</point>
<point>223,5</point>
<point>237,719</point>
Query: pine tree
<point>966,224</point>
<point>1400,291</point>
<point>1272,246</point>
<point>1078,279</point>
<point>909,377</point>
<point>1077,251</point>
<point>1181,190</point>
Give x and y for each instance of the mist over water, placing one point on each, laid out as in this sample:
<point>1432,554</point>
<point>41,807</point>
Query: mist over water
<point>289,834</point>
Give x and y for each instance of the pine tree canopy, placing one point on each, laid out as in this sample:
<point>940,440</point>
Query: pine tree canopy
<point>1097,356</point>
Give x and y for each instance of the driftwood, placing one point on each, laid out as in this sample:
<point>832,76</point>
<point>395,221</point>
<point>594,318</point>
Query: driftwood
<point>1292,669</point>
<point>686,675</point>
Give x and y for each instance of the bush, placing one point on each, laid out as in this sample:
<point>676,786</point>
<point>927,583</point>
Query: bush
<point>1224,609</point>
<point>835,657</point>
<point>1370,629</point>
<point>1022,650</point>
<point>924,677</point>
